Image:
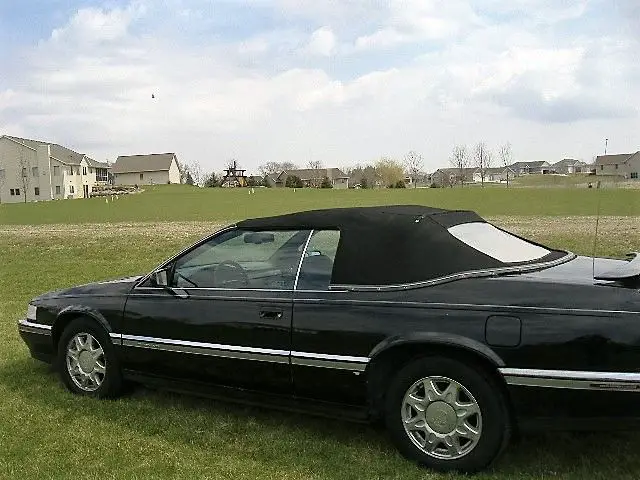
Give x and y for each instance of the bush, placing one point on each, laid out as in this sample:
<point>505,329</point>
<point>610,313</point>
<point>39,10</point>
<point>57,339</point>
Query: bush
<point>326,183</point>
<point>400,184</point>
<point>212,181</point>
<point>363,183</point>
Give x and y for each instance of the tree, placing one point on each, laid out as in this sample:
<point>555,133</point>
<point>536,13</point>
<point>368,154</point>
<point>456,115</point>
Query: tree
<point>389,171</point>
<point>506,157</point>
<point>482,159</point>
<point>316,180</point>
<point>326,183</point>
<point>212,180</point>
<point>275,167</point>
<point>293,181</point>
<point>459,160</point>
<point>254,182</point>
<point>188,179</point>
<point>414,165</point>
<point>364,183</point>
<point>400,184</point>
<point>23,173</point>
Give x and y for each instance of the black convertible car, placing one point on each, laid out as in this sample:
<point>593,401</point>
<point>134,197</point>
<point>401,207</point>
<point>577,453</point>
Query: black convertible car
<point>450,330</point>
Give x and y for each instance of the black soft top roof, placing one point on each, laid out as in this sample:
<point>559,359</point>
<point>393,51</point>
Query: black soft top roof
<point>390,245</point>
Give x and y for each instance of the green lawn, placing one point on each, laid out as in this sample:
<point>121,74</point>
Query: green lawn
<point>45,432</point>
<point>186,203</point>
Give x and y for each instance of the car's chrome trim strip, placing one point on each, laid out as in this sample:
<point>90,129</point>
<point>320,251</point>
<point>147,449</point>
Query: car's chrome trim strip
<point>209,349</point>
<point>573,379</point>
<point>304,251</point>
<point>31,327</point>
<point>322,360</point>
<point>490,272</point>
<point>340,362</point>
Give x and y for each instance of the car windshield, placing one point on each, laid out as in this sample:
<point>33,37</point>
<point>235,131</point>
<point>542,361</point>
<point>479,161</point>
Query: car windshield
<point>497,243</point>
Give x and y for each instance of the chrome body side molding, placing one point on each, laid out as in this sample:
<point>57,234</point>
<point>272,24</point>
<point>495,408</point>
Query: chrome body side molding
<point>32,327</point>
<point>572,379</point>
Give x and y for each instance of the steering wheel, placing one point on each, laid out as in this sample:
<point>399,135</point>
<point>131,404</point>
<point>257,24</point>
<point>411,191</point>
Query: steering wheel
<point>232,269</point>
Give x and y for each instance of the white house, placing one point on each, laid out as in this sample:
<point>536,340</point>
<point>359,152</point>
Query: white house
<point>33,170</point>
<point>155,168</point>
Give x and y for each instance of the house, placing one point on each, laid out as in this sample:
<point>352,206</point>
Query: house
<point>531,168</point>
<point>448,177</point>
<point>154,168</point>
<point>312,177</point>
<point>494,174</point>
<point>569,166</point>
<point>34,170</point>
<point>269,180</point>
<point>626,165</point>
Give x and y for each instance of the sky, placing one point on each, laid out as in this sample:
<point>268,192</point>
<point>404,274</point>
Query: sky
<point>343,82</point>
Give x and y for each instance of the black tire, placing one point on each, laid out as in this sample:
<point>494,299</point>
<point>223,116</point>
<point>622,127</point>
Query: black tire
<point>495,424</point>
<point>111,383</point>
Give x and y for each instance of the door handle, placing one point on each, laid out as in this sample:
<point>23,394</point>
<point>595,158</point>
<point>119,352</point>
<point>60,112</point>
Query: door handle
<point>271,314</point>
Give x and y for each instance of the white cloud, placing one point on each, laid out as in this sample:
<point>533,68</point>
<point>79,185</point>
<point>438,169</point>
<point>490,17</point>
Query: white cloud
<point>281,93</point>
<point>322,42</point>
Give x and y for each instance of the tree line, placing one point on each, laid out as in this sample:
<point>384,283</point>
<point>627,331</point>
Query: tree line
<point>480,157</point>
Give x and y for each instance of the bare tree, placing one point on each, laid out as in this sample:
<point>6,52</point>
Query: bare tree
<point>414,164</point>
<point>197,174</point>
<point>460,160</point>
<point>23,174</point>
<point>506,157</point>
<point>482,159</point>
<point>269,168</point>
<point>316,165</point>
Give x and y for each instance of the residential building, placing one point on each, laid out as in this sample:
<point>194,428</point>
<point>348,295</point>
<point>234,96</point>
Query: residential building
<point>494,174</point>
<point>366,175</point>
<point>626,165</point>
<point>531,168</point>
<point>570,166</point>
<point>269,180</point>
<point>312,177</point>
<point>34,170</point>
<point>448,177</point>
<point>154,168</point>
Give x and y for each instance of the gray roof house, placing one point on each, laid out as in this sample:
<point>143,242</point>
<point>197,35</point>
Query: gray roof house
<point>626,165</point>
<point>570,166</point>
<point>531,168</point>
<point>447,177</point>
<point>154,168</point>
<point>312,177</point>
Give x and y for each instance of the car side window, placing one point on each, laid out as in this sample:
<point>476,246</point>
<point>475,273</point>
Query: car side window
<point>317,265</point>
<point>242,259</point>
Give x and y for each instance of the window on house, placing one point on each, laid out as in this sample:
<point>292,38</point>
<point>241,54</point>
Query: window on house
<point>601,167</point>
<point>141,176</point>
<point>616,166</point>
<point>84,170</point>
<point>17,191</point>
<point>12,192</point>
<point>101,175</point>
<point>57,189</point>
<point>34,171</point>
<point>24,171</point>
<point>90,170</point>
<point>71,189</point>
<point>56,171</point>
<point>36,191</point>
<point>70,170</point>
<point>634,175</point>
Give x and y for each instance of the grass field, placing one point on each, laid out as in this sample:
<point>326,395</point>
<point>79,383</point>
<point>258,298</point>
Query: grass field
<point>185,203</point>
<point>46,432</point>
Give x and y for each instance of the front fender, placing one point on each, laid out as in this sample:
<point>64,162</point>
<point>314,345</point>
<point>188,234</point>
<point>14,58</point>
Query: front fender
<point>437,338</point>
<point>76,310</point>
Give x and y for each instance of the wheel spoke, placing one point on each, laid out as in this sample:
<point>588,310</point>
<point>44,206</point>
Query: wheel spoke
<point>97,353</point>
<point>467,431</point>
<point>466,410</point>
<point>431,391</point>
<point>432,443</point>
<point>415,423</point>
<point>417,403</point>
<point>453,445</point>
<point>450,394</point>
<point>99,368</point>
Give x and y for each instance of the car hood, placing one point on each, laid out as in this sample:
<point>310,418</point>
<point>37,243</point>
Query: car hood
<point>117,287</point>
<point>581,270</point>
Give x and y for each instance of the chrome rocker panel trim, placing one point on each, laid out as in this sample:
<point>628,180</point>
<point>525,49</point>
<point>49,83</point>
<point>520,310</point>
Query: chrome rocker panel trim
<point>31,327</point>
<point>572,379</point>
<point>340,362</point>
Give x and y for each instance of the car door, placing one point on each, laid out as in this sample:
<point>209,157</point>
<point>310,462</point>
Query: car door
<point>224,317</point>
<point>323,340</point>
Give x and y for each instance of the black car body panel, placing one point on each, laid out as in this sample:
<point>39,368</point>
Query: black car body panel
<point>564,346</point>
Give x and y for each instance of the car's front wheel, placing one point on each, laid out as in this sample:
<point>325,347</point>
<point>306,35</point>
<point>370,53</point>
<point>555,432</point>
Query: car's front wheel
<point>87,361</point>
<point>446,415</point>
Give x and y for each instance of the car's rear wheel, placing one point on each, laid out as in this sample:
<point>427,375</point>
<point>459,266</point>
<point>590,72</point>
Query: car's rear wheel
<point>446,415</point>
<point>87,360</point>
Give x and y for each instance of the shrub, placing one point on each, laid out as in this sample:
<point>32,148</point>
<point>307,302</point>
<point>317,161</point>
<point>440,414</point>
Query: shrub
<point>326,183</point>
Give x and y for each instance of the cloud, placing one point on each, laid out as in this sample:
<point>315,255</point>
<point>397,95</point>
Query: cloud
<point>343,82</point>
<point>322,42</point>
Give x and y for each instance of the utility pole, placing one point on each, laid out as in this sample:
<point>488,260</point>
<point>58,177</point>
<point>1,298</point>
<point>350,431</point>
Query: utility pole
<point>606,142</point>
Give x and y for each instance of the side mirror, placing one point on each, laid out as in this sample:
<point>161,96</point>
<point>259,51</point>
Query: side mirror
<point>159,278</point>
